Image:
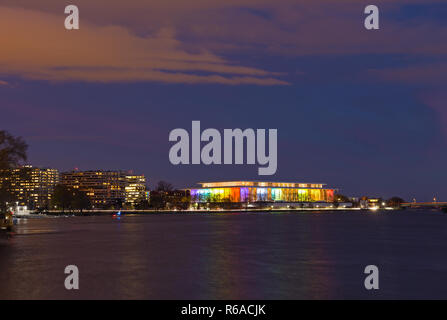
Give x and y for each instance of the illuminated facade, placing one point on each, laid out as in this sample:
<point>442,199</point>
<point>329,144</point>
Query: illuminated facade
<point>32,187</point>
<point>136,190</point>
<point>253,191</point>
<point>107,188</point>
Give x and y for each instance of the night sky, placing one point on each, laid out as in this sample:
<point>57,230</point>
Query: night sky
<point>363,111</point>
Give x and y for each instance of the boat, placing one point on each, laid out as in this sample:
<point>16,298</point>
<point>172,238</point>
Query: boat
<point>117,215</point>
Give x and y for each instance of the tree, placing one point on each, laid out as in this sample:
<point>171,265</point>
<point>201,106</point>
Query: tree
<point>158,200</point>
<point>175,199</point>
<point>80,201</point>
<point>161,196</point>
<point>164,186</point>
<point>114,204</point>
<point>341,198</point>
<point>185,202</point>
<point>12,150</point>
<point>62,197</point>
<point>12,154</point>
<point>5,197</point>
<point>394,202</point>
<point>142,204</point>
<point>67,198</point>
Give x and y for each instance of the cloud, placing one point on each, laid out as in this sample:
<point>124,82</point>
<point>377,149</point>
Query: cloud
<point>186,41</point>
<point>280,27</point>
<point>3,83</point>
<point>35,45</point>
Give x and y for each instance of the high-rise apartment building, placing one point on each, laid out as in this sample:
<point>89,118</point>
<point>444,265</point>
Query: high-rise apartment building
<point>107,188</point>
<point>136,190</point>
<point>31,186</point>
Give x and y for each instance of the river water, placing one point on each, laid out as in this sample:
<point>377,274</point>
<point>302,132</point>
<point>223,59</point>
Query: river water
<point>229,256</point>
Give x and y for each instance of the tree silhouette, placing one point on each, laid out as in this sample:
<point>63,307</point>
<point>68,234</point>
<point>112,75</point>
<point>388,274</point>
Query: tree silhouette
<point>80,201</point>
<point>12,150</point>
<point>62,197</point>
<point>394,202</point>
<point>164,186</point>
<point>12,154</point>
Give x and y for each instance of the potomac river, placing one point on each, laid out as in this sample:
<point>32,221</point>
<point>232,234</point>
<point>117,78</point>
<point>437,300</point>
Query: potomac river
<point>275,255</point>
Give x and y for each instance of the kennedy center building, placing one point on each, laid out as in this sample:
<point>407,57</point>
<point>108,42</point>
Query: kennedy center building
<point>253,191</point>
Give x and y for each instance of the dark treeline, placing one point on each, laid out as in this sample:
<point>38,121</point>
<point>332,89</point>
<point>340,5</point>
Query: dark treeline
<point>65,198</point>
<point>393,202</point>
<point>163,197</point>
<point>166,197</point>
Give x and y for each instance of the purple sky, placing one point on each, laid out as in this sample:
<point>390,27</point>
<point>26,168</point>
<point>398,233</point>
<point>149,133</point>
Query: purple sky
<point>364,111</point>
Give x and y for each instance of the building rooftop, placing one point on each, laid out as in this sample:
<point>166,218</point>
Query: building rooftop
<point>221,184</point>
